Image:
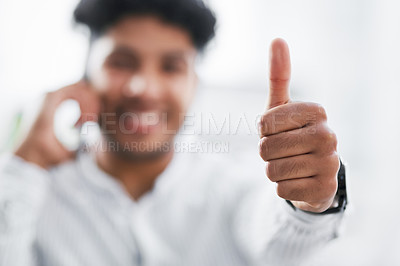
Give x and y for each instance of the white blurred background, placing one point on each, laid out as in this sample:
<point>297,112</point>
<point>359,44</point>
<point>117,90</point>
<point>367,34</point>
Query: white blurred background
<point>345,55</point>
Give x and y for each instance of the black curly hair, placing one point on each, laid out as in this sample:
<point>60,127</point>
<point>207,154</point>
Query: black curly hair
<point>191,15</point>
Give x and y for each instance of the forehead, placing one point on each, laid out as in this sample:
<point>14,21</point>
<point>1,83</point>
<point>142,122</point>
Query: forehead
<point>148,34</point>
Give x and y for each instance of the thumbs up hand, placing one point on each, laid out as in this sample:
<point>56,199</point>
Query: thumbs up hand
<point>296,143</point>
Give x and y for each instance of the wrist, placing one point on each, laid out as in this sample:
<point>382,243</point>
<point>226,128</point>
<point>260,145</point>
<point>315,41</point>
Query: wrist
<point>315,207</point>
<point>32,155</point>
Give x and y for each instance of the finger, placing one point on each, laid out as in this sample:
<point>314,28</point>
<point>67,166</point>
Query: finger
<point>81,92</point>
<point>290,116</point>
<point>88,99</point>
<point>287,144</point>
<point>90,105</point>
<point>279,75</point>
<point>307,189</point>
<point>60,153</point>
<point>301,166</point>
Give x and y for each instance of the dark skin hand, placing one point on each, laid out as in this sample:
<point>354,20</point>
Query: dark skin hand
<point>296,143</point>
<point>41,146</point>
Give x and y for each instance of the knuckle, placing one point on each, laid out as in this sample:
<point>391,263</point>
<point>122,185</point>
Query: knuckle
<point>333,140</point>
<point>282,190</point>
<point>328,182</point>
<point>329,165</point>
<point>324,135</point>
<point>286,191</point>
<point>321,112</point>
<point>334,162</point>
<point>261,125</point>
<point>279,80</point>
<point>263,148</point>
<point>320,137</point>
<point>317,110</point>
<point>263,119</point>
<point>264,124</point>
<point>331,186</point>
<point>271,171</point>
<point>327,138</point>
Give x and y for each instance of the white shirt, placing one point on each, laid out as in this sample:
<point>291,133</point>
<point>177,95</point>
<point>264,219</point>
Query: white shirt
<point>201,211</point>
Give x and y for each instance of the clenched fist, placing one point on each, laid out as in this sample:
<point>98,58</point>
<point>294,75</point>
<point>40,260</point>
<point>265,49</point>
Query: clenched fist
<point>296,142</point>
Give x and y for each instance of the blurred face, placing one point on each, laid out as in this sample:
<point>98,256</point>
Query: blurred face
<point>144,71</point>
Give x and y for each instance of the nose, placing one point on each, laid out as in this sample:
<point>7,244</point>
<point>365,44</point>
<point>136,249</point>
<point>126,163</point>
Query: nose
<point>136,86</point>
<point>142,84</point>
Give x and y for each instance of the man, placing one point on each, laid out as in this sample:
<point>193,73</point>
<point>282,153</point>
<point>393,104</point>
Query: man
<point>123,204</point>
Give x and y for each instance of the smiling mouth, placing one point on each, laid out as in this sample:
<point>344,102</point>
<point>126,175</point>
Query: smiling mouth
<point>141,122</point>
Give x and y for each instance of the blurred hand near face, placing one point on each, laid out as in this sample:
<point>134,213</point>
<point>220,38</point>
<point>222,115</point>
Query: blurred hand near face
<point>41,146</point>
<point>296,142</point>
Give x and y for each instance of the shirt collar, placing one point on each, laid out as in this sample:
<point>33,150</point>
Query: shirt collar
<point>105,183</point>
